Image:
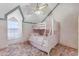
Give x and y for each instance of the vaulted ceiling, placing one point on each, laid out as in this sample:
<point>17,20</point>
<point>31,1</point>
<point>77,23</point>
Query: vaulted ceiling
<point>6,7</point>
<point>32,17</point>
<point>27,9</point>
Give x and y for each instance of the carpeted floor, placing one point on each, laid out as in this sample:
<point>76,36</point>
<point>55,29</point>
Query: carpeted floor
<point>61,50</point>
<point>25,49</point>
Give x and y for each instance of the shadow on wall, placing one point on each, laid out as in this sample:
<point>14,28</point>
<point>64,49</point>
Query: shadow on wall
<point>69,31</point>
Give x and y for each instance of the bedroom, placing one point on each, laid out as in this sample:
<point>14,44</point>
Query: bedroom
<point>26,27</point>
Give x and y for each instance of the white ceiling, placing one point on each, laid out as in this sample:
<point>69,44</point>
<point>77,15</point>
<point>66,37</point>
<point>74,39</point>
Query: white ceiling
<point>30,16</point>
<point>6,7</point>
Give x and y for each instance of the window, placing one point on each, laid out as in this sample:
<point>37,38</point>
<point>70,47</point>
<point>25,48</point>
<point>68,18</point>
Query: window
<point>13,29</point>
<point>14,23</point>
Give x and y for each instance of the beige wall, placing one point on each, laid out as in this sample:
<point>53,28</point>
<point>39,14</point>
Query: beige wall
<point>26,30</point>
<point>67,15</point>
<point>3,40</point>
<point>78,35</point>
<point>3,33</point>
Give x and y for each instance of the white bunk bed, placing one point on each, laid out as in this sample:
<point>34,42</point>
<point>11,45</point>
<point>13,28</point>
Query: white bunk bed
<point>47,39</point>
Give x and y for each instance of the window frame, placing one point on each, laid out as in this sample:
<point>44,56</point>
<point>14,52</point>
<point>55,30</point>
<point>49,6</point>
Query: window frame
<point>12,11</point>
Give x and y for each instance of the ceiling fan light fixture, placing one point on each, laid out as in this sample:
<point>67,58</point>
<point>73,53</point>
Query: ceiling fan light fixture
<point>39,9</point>
<point>43,6</point>
<point>38,12</point>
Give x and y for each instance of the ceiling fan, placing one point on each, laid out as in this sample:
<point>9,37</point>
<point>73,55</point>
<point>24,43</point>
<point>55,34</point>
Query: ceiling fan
<point>40,8</point>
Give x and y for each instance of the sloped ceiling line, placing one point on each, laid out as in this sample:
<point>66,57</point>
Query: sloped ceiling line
<point>50,12</point>
<point>18,7</point>
<point>46,16</point>
<point>1,18</point>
